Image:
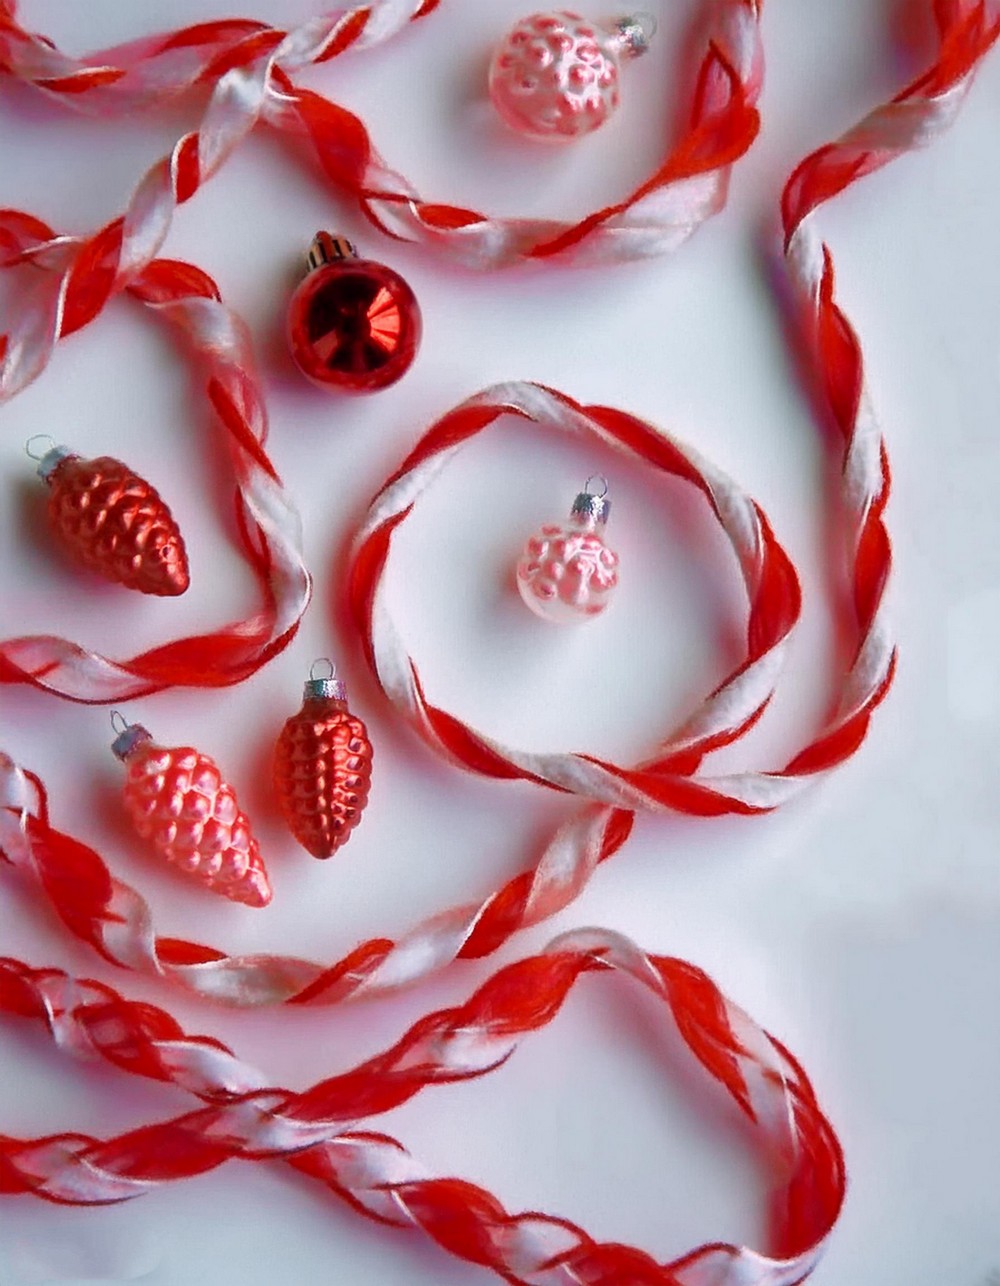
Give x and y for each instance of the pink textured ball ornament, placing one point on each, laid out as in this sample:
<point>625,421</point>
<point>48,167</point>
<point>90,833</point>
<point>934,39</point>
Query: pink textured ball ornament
<point>567,572</point>
<point>178,800</point>
<point>555,75</point>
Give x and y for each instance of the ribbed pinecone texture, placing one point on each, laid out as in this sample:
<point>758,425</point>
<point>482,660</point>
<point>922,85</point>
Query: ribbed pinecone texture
<point>116,524</point>
<point>178,799</point>
<point>322,774</point>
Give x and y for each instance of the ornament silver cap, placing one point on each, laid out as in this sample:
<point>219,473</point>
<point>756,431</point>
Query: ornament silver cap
<point>327,249</point>
<point>324,688</point>
<point>633,34</point>
<point>51,457</point>
<point>593,506</point>
<point>129,736</point>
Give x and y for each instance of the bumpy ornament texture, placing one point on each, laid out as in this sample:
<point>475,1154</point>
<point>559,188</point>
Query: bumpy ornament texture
<point>555,76</point>
<point>567,572</point>
<point>322,769</point>
<point>115,523</point>
<point>177,799</point>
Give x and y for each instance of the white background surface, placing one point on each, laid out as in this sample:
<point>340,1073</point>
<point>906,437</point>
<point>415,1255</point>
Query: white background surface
<point>861,926</point>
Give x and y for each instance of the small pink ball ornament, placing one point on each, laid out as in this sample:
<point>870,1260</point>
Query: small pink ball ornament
<point>555,75</point>
<point>567,572</point>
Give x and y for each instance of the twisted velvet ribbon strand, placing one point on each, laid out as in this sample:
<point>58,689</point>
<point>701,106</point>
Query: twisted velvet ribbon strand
<point>760,1076</point>
<point>269,527</point>
<point>316,1131</point>
<point>668,780</point>
<point>115,919</point>
<point>250,68</point>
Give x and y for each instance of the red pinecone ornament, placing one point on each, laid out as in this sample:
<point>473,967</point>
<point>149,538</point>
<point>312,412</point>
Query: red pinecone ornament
<point>115,523</point>
<point>323,768</point>
<point>177,799</point>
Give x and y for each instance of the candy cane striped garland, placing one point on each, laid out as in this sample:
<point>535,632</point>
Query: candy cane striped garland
<point>145,73</point>
<point>244,1118</point>
<point>269,526</point>
<point>967,31</point>
<point>115,919</point>
<point>669,779</point>
<point>316,1131</point>
<point>252,69</point>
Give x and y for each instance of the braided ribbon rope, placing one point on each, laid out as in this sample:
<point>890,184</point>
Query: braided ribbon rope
<point>316,1132</point>
<point>268,522</point>
<point>373,1171</point>
<point>250,68</point>
<point>967,30</point>
<point>666,781</point>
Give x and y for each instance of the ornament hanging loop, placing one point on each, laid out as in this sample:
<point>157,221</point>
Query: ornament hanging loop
<point>118,722</point>
<point>30,452</point>
<point>600,478</point>
<point>325,662</point>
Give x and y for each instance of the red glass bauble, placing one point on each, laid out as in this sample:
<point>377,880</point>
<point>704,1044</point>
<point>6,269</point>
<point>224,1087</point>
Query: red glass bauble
<point>352,324</point>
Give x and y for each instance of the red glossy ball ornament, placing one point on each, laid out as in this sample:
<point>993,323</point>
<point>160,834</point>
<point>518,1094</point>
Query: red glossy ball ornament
<point>353,324</point>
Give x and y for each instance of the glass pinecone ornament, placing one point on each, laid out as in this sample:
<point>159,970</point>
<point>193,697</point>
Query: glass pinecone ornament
<point>567,571</point>
<point>114,523</point>
<point>178,799</point>
<point>323,768</point>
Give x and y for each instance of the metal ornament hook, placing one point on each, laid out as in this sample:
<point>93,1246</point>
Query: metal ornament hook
<point>40,437</point>
<point>596,477</point>
<point>322,660</point>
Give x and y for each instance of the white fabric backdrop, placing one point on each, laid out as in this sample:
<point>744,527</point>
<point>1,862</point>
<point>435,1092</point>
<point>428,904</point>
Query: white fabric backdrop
<point>860,925</point>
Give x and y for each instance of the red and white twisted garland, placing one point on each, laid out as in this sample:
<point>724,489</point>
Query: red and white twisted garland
<point>116,920</point>
<point>251,68</point>
<point>670,779</point>
<point>967,32</point>
<point>144,73</point>
<point>316,1131</point>
<point>269,527</point>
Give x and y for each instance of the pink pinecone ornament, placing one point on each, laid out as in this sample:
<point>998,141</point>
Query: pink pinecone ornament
<point>567,572</point>
<point>555,75</point>
<point>178,800</point>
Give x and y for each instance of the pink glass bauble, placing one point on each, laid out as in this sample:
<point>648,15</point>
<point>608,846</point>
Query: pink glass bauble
<point>179,801</point>
<point>555,76</point>
<point>567,572</point>
<point>353,325</point>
